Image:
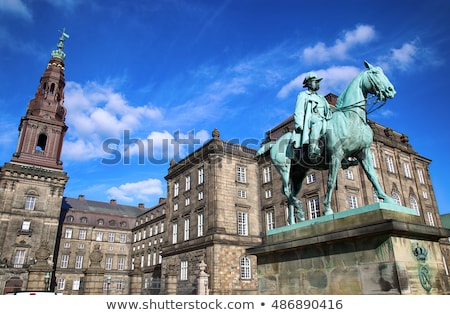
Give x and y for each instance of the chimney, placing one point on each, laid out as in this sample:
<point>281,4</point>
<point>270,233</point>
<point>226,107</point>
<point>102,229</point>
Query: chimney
<point>113,202</point>
<point>80,197</point>
<point>161,200</point>
<point>141,206</point>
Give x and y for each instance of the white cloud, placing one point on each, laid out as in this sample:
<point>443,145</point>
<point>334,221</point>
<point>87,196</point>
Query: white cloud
<point>16,7</point>
<point>404,57</point>
<point>335,79</point>
<point>320,52</point>
<point>96,113</point>
<point>141,190</point>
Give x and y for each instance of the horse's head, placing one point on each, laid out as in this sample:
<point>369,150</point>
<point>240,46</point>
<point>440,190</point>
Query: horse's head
<point>377,83</point>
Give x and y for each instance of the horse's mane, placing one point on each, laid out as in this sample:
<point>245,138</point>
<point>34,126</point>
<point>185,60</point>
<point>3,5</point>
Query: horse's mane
<point>341,97</point>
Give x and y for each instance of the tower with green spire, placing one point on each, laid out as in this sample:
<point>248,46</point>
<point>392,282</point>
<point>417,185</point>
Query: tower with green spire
<point>32,185</point>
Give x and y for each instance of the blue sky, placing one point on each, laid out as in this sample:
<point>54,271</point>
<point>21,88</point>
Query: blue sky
<point>156,71</point>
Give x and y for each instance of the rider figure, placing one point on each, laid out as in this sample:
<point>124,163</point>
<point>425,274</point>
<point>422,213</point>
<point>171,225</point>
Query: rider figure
<point>311,114</point>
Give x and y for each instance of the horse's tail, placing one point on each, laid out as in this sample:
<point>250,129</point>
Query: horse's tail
<point>264,148</point>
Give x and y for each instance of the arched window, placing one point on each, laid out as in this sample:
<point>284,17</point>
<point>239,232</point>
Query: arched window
<point>413,204</point>
<point>52,88</point>
<point>41,143</point>
<point>69,218</point>
<point>396,198</point>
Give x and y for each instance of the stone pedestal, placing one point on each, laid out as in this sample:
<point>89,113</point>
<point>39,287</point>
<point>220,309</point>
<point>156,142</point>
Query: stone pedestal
<point>378,249</point>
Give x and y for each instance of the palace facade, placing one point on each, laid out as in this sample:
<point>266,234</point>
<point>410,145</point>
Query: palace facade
<point>220,202</point>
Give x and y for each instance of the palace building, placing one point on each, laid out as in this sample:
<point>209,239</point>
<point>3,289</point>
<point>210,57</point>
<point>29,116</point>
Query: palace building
<point>221,200</point>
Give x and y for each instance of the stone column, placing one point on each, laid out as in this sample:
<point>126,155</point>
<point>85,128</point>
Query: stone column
<point>94,275</point>
<point>136,278</point>
<point>171,281</point>
<point>40,274</point>
<point>202,282</point>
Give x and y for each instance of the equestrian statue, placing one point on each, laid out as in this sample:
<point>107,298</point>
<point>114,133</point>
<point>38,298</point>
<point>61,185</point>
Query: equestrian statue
<point>327,139</point>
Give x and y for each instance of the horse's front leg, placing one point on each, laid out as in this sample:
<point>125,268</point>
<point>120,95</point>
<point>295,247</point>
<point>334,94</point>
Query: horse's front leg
<point>367,163</point>
<point>332,176</point>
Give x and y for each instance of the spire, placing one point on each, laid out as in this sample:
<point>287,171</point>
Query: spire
<point>43,127</point>
<point>59,53</point>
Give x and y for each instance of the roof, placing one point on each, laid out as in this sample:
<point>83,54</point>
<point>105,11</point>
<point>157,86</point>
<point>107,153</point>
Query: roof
<point>93,206</point>
<point>445,219</point>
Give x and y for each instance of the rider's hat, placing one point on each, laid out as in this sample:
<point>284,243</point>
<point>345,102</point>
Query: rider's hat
<point>310,76</point>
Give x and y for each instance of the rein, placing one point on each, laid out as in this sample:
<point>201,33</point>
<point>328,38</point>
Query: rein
<point>363,101</point>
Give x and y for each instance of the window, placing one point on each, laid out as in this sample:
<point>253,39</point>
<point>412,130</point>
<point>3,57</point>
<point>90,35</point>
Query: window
<point>26,226</point>
<point>66,245</point>
<point>201,176</point>
<point>175,207</point>
<point>68,233</point>
<point>30,202</point>
<point>200,224</point>
<point>61,284</point>
<point>174,233</point>
<point>101,222</point>
<point>176,189</point>
<point>242,223</point>
<point>187,201</point>
<point>161,227</point>
<point>375,196</point>
<point>19,258</point>
<point>430,218</point>
<point>76,284</point>
<point>352,202</point>
<point>83,220</point>
<point>374,159</point>
<point>119,284</point>
<point>396,198</point>
<point>241,174</point>
<point>420,174</point>
<point>121,263</point>
<point>188,182</point>
<point>108,263</point>
<point>80,246</point>
<point>267,172</point>
<point>69,219</point>
<point>200,195</point>
<point>184,270</point>
<point>241,193</point>
<point>390,164</point>
<point>349,174</point>
<point>425,194</point>
<point>78,262</point>
<point>268,193</point>
<point>186,229</point>
<point>413,203</point>
<point>64,261</point>
<point>245,268</point>
<point>123,238</point>
<point>311,178</point>
<point>407,169</point>
<point>82,234</point>
<point>99,236</point>
<point>270,220</point>
<point>314,207</point>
